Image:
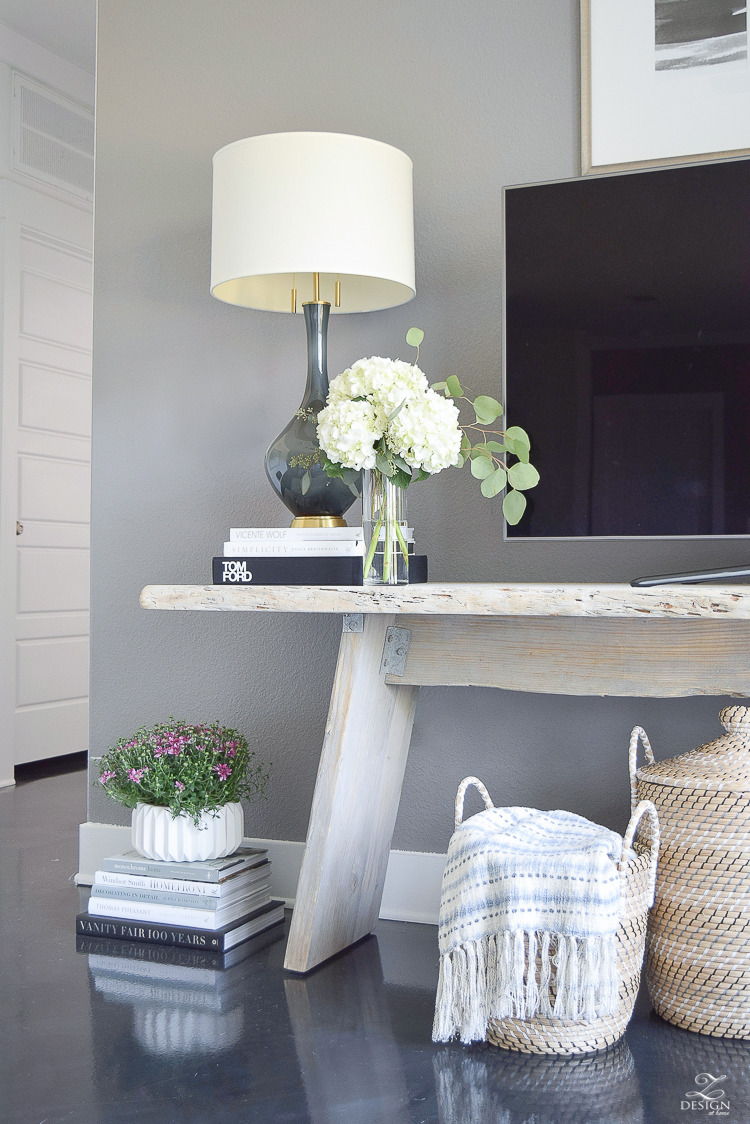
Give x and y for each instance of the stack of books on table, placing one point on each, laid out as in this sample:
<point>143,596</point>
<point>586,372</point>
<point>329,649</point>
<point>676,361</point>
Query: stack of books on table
<point>213,905</point>
<point>300,556</point>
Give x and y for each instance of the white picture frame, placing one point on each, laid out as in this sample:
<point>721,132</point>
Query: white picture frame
<point>645,104</point>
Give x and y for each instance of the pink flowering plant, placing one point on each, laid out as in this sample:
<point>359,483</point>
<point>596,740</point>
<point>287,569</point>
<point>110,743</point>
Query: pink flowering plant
<point>191,769</point>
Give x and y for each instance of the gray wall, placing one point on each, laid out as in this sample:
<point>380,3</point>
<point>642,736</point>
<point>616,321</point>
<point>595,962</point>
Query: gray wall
<point>188,392</point>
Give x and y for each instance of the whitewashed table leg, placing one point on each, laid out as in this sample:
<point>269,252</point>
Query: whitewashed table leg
<point>355,802</point>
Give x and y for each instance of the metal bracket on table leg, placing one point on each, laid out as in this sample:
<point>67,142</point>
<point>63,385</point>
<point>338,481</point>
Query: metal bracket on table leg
<point>354,622</point>
<point>395,651</point>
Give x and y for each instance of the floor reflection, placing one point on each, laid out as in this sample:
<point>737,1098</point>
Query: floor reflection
<point>348,1055</point>
<point>675,1059</point>
<point>483,1085</point>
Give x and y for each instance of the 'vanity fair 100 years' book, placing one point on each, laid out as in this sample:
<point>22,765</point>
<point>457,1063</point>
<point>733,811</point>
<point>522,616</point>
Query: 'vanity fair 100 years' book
<point>219,940</point>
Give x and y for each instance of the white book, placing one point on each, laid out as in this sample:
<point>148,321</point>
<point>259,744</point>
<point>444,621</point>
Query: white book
<point>223,890</point>
<point>208,919</point>
<point>352,548</point>
<point>294,534</point>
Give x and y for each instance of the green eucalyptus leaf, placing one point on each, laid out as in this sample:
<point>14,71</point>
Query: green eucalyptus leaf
<point>461,461</point>
<point>517,434</point>
<point>498,447</point>
<point>481,449</point>
<point>482,467</point>
<point>494,483</point>
<point>401,463</point>
<point>521,451</point>
<point>401,479</point>
<point>384,465</point>
<point>453,386</point>
<point>465,444</point>
<point>351,475</point>
<point>514,506</point>
<point>486,408</point>
<point>523,476</point>
<point>397,411</point>
<point>305,483</point>
<point>414,337</point>
<point>438,385</point>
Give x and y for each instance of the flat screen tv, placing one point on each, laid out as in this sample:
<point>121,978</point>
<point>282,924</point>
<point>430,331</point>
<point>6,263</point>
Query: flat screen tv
<point>627,351</point>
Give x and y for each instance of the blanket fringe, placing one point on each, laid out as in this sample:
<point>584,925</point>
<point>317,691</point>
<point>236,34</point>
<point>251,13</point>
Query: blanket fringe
<point>573,978</point>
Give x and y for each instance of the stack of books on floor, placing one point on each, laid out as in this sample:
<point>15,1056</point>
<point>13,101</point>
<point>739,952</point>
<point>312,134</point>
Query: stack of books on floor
<point>212,906</point>
<point>301,556</point>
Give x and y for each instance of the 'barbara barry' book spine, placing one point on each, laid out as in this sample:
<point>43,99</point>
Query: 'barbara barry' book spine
<point>212,870</point>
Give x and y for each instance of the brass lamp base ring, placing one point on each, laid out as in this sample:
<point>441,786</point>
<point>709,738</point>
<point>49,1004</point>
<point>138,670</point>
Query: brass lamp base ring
<point>318,521</point>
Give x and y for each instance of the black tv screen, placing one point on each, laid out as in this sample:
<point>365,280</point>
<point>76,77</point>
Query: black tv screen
<point>627,351</point>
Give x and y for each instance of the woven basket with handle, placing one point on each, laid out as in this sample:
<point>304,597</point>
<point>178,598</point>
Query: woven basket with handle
<point>549,1035</point>
<point>698,943</point>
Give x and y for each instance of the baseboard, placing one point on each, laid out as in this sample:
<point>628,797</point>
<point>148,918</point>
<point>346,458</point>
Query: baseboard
<point>412,882</point>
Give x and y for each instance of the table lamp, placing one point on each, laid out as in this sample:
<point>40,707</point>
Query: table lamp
<point>316,222</point>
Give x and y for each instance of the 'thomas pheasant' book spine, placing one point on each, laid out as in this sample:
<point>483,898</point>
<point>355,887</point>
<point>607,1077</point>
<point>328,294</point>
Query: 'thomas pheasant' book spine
<point>175,914</point>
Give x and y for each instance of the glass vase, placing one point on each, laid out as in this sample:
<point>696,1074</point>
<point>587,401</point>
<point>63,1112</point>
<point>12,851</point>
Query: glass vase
<point>384,525</point>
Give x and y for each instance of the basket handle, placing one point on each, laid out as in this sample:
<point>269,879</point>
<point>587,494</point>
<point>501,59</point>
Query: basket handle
<point>462,792</point>
<point>638,734</point>
<point>645,808</point>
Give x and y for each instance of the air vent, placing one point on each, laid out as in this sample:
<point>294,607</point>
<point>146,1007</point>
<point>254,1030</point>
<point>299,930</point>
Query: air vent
<point>53,138</point>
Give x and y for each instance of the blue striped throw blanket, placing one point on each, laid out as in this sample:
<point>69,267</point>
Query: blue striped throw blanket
<point>529,907</point>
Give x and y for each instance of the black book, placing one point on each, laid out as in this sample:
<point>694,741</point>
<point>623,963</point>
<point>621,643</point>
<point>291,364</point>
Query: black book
<point>302,571</point>
<point>121,953</point>
<point>153,932</point>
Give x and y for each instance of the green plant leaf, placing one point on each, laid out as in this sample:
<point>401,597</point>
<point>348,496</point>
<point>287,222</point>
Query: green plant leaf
<point>514,506</point>
<point>305,483</point>
<point>401,463</point>
<point>384,465</point>
<point>453,387</point>
<point>494,483</point>
<point>438,385</point>
<point>521,451</point>
<point>461,461</point>
<point>423,474</point>
<point>398,410</point>
<point>523,476</point>
<point>465,444</point>
<point>332,469</point>
<point>486,409</point>
<point>401,479</point>
<point>517,434</point>
<point>481,467</point>
<point>498,447</point>
<point>414,337</point>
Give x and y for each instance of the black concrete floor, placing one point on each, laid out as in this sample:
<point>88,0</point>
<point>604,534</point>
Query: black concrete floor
<point>93,1039</point>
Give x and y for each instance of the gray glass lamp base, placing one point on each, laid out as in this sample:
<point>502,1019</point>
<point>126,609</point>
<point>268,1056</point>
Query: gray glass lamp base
<point>294,461</point>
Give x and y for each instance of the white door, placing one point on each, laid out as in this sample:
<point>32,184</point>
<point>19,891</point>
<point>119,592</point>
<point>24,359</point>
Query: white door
<point>54,481</point>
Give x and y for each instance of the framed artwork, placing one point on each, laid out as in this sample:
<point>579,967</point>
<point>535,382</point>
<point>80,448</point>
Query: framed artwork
<point>663,82</point>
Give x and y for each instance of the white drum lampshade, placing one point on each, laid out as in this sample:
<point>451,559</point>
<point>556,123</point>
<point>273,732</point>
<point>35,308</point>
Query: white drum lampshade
<point>288,205</point>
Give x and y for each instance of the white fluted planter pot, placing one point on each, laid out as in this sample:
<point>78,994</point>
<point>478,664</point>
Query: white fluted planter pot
<point>157,834</point>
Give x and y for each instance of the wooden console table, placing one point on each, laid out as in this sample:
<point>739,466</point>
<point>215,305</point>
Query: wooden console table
<point>564,639</point>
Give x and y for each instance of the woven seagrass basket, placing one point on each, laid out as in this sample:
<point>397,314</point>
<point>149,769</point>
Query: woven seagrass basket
<point>549,1035</point>
<point>698,943</point>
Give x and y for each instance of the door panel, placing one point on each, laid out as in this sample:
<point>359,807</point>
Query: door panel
<point>48,730</point>
<point>52,670</point>
<point>55,400</point>
<point>52,580</point>
<point>51,489</point>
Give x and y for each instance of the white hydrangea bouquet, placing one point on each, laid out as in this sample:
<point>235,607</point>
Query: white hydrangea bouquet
<point>383,417</point>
